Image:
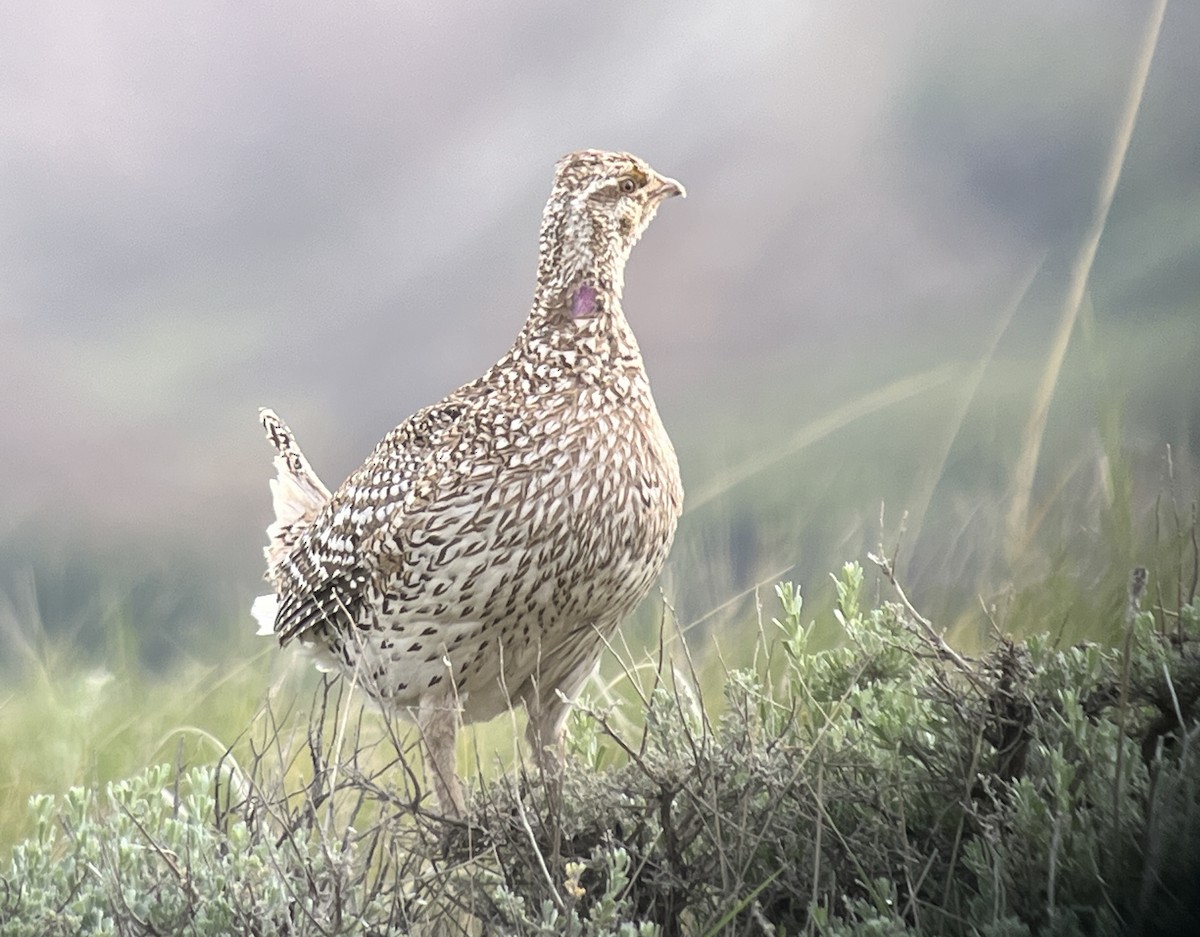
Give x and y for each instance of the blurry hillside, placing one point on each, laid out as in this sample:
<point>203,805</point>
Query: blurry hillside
<point>335,213</point>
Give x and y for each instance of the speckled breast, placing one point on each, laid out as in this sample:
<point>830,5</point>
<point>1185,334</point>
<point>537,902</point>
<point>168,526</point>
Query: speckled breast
<point>520,574</point>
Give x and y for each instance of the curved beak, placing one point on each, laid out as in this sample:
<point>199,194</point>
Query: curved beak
<point>664,187</point>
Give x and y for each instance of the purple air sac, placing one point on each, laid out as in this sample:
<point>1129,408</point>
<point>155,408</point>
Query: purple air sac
<point>583,302</point>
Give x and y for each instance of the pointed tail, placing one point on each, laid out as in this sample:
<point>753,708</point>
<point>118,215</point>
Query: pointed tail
<point>296,491</point>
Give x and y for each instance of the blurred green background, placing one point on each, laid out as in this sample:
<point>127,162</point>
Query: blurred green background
<point>849,323</point>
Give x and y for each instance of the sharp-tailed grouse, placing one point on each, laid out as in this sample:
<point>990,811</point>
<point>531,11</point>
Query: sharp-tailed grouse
<point>493,541</point>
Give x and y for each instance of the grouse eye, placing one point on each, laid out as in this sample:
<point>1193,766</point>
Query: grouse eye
<point>627,186</point>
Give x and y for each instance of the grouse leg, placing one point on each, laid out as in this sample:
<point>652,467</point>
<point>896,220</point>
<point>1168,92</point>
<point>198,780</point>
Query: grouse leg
<point>437,719</point>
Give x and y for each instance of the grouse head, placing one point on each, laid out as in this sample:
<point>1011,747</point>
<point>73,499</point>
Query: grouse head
<point>600,205</point>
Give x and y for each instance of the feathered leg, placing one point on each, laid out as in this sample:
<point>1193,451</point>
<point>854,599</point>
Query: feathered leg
<point>437,719</point>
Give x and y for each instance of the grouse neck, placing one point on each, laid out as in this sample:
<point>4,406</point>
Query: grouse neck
<point>581,258</point>
<point>601,335</point>
<point>577,302</point>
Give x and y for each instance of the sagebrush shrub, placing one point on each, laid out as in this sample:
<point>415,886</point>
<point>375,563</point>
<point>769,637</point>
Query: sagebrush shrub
<point>887,786</point>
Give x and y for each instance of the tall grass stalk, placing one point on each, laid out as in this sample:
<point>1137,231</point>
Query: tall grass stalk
<point>865,405</point>
<point>1081,269</point>
<point>920,503</point>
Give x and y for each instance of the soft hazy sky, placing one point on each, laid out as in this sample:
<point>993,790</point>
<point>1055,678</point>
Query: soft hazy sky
<point>332,209</point>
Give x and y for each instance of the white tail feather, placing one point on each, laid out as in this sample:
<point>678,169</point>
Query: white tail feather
<point>264,610</point>
<point>296,501</point>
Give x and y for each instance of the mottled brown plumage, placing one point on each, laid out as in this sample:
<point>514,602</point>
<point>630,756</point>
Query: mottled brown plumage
<point>489,545</point>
